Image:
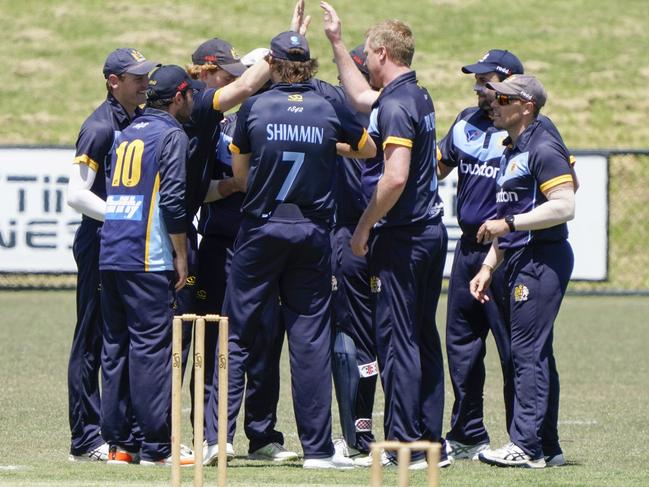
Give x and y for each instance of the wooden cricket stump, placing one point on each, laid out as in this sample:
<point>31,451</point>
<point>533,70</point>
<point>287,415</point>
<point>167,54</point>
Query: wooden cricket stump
<point>199,395</point>
<point>403,457</point>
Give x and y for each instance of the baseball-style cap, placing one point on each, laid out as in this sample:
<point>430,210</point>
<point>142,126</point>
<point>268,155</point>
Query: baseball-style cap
<point>168,80</point>
<point>127,60</point>
<point>358,56</point>
<point>496,60</point>
<point>290,41</point>
<point>219,52</point>
<point>523,86</point>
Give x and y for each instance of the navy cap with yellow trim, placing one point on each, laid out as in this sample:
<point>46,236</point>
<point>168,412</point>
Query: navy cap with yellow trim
<point>221,53</point>
<point>127,60</point>
<point>498,61</point>
<point>168,80</point>
<point>290,46</point>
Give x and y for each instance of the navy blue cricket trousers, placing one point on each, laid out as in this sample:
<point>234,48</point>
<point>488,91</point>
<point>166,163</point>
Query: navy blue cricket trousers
<point>352,313</point>
<point>291,257</point>
<point>135,360</point>
<point>468,323</point>
<point>85,354</point>
<point>262,374</point>
<point>537,276</point>
<point>406,266</point>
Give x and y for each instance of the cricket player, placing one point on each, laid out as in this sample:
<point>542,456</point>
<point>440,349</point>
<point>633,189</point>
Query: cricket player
<point>126,71</point>
<point>402,225</point>
<point>474,146</point>
<point>143,262</point>
<point>284,151</point>
<point>535,199</point>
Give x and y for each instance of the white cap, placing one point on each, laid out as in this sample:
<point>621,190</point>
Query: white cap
<point>254,56</point>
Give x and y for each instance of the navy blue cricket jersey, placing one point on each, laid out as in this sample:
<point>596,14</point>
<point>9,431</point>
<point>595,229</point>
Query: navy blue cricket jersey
<point>95,141</point>
<point>146,195</point>
<point>203,131</point>
<point>223,217</point>
<point>537,162</point>
<point>475,147</point>
<point>292,131</point>
<point>405,116</point>
<point>350,201</point>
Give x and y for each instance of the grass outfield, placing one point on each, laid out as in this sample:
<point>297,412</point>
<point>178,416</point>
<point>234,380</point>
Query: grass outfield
<point>601,352</point>
<point>590,54</point>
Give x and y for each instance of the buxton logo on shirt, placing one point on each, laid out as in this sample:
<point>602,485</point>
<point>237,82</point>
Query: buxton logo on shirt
<point>506,196</point>
<point>479,170</point>
<point>124,207</point>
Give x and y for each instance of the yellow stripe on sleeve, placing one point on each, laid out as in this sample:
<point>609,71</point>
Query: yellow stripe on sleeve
<point>573,160</point>
<point>551,183</point>
<point>234,149</point>
<point>439,153</point>
<point>85,159</point>
<point>152,206</point>
<point>397,141</point>
<point>215,101</point>
<point>363,141</point>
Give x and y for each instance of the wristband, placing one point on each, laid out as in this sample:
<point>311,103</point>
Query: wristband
<point>491,268</point>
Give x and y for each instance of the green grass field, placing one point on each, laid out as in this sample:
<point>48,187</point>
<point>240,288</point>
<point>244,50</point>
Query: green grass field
<point>590,54</point>
<point>600,345</point>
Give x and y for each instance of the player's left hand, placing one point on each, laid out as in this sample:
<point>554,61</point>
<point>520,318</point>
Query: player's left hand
<point>492,229</point>
<point>358,241</point>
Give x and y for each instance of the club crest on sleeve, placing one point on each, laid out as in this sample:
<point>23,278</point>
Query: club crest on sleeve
<point>201,294</point>
<point>375,284</point>
<point>521,293</point>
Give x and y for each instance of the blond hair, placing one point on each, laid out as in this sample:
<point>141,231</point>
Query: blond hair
<point>195,70</point>
<point>397,39</point>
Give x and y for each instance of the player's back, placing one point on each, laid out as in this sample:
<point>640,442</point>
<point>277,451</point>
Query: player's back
<point>291,132</point>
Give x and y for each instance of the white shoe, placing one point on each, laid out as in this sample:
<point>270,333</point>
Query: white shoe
<point>211,453</point>
<point>461,451</point>
<point>335,461</point>
<point>99,454</point>
<point>186,459</point>
<point>273,452</point>
<point>555,460</point>
<point>510,455</point>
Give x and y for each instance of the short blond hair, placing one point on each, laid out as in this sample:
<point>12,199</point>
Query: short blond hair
<point>397,39</point>
<point>195,70</point>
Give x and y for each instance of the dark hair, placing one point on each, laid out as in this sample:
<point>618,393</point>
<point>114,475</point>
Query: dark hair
<point>163,103</point>
<point>294,71</point>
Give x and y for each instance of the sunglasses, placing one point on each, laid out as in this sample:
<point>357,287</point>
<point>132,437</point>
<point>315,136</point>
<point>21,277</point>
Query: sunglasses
<point>507,99</point>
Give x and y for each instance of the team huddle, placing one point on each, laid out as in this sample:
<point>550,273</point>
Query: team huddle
<point>319,221</point>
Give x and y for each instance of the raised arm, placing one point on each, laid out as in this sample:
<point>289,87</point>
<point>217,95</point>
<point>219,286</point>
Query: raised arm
<point>357,89</point>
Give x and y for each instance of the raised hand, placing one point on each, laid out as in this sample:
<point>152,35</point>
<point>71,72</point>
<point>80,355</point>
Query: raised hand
<point>300,23</point>
<point>332,24</point>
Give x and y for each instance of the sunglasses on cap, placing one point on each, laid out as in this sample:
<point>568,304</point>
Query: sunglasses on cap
<point>507,99</point>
